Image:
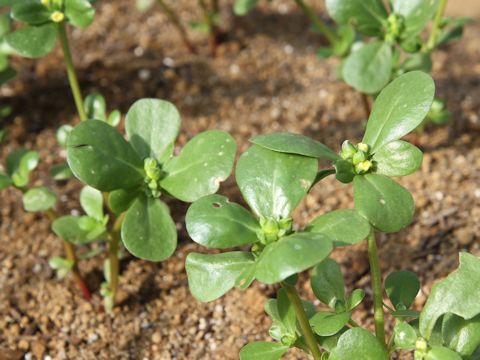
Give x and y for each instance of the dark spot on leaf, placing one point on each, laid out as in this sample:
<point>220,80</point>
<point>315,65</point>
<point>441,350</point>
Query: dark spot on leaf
<point>216,205</point>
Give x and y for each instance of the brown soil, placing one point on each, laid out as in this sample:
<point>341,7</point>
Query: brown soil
<point>266,78</point>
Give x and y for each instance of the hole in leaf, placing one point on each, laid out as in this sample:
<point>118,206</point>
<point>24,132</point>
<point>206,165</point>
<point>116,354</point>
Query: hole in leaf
<point>216,205</point>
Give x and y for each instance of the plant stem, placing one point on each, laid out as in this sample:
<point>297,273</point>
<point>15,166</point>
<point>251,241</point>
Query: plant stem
<point>307,332</point>
<point>71,257</point>
<point>178,24</point>
<point>114,236</point>
<point>317,21</point>
<point>432,40</point>
<point>72,76</point>
<point>212,28</point>
<point>377,288</point>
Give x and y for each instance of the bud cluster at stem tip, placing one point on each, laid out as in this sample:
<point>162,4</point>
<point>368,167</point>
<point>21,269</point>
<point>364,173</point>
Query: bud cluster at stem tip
<point>273,229</point>
<point>57,16</point>
<point>395,27</point>
<point>359,155</point>
<point>153,176</point>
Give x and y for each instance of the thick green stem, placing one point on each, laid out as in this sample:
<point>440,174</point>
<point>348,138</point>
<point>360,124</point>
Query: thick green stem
<point>72,76</point>
<point>114,237</point>
<point>302,320</point>
<point>319,24</point>
<point>432,40</point>
<point>178,24</point>
<point>377,288</point>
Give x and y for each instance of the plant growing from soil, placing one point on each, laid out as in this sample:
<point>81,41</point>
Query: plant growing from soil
<point>273,176</point>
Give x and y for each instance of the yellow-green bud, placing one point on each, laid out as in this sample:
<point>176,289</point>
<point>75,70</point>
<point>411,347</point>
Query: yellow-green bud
<point>421,345</point>
<point>363,167</point>
<point>363,147</point>
<point>348,150</point>
<point>45,2</point>
<point>57,16</point>
<point>359,157</point>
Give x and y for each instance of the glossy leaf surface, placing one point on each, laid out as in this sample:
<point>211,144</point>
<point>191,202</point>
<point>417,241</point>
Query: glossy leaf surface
<point>397,158</point>
<point>33,41</point>
<point>327,282</point>
<point>39,199</point>
<point>402,288</point>
<point>358,343</point>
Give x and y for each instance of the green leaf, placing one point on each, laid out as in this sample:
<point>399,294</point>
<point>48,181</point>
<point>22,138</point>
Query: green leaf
<point>274,183</point>
<point>402,288</point>
<point>73,229</point>
<point>5,181</point>
<point>344,227</point>
<point>442,353</point>
<point>328,324</point>
<point>404,336</point>
<point>61,265</point>
<point>212,275</point>
<point>148,231</point>
<point>387,205</point>
<point>62,134</point>
<point>327,283</point>
<point>203,164</point>
<point>290,255</point>
<point>344,171</point>
<point>417,61</point>
<point>403,314</point>
<point>243,7</point>
<point>95,107</point>
<point>399,109</point>
<point>32,12</point>
<point>297,144</point>
<point>39,199</point>
<point>358,343</point>
<point>214,222</point>
<point>33,41</point>
<point>152,126</point>
<point>120,200</point>
<point>262,350</point>
<point>417,14</point>
<point>91,201</point>
<point>368,16</point>
<point>80,13</point>
<point>286,312</point>
<point>19,165</point>
<point>100,157</point>
<point>114,118</point>
<point>355,299</point>
<point>61,172</point>
<point>397,158</point>
<point>458,294</point>
<point>369,68</point>
<point>462,336</point>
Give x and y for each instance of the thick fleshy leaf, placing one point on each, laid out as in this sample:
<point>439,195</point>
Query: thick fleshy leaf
<point>386,204</point>
<point>344,227</point>
<point>242,7</point>
<point>80,13</point>
<point>327,283</point>
<point>148,231</point>
<point>152,126</point>
<point>369,68</point>
<point>417,14</point>
<point>344,171</point>
<point>442,353</point>
<point>403,314</point>
<point>355,298</point>
<point>33,41</point>
<point>100,157</point>
<point>62,134</point>
<point>368,16</point>
<point>286,312</point>
<point>61,172</point>
<point>120,200</point>
<point>462,336</point>
<point>402,288</point>
<point>274,183</point>
<point>290,255</point>
<point>458,294</point>
<point>399,109</point>
<point>262,350</point>
<point>203,164</point>
<point>19,165</point>
<point>328,324</point>
<point>404,336</point>
<point>358,343</point>
<point>5,181</point>
<point>95,107</point>
<point>212,275</point>
<point>397,158</point>
<point>91,201</point>
<point>73,229</point>
<point>214,222</point>
<point>39,199</point>
<point>114,118</point>
<point>298,144</point>
<point>32,12</point>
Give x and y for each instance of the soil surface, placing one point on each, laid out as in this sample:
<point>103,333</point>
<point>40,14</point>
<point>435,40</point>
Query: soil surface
<point>265,78</point>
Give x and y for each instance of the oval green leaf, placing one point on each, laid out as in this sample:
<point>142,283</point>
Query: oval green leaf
<point>39,199</point>
<point>203,164</point>
<point>290,255</point>
<point>404,336</point>
<point>100,157</point>
<point>120,200</point>
<point>442,353</point>
<point>369,68</point>
<point>274,183</point>
<point>328,324</point>
<point>399,108</point>
<point>212,275</point>
<point>20,163</point>
<point>358,343</point>
<point>71,229</point>
<point>417,14</point>
<point>387,205</point>
<point>214,222</point>
<point>61,172</point>
<point>148,231</point>
<point>262,350</point>
<point>5,181</point>
<point>397,158</point>
<point>91,201</point>
<point>80,13</point>
<point>460,335</point>
<point>32,12</point>
<point>33,41</point>
<point>327,283</point>
<point>402,288</point>
<point>95,107</point>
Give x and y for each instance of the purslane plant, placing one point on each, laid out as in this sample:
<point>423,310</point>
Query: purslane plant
<point>273,176</point>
